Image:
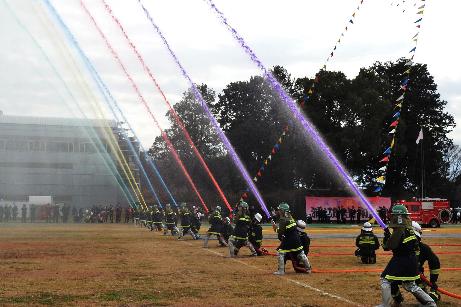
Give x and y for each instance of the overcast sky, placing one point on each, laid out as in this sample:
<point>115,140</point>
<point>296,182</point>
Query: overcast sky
<point>297,34</point>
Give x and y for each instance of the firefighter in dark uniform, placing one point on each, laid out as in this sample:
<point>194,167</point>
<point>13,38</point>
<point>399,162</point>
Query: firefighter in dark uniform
<point>216,225</point>
<point>426,254</point>
<point>170,221</point>
<point>195,222</point>
<point>298,266</point>
<point>290,246</point>
<point>367,243</point>
<point>149,218</point>
<point>255,235</point>
<point>239,237</point>
<point>186,221</point>
<point>157,218</point>
<point>403,266</point>
<point>227,230</point>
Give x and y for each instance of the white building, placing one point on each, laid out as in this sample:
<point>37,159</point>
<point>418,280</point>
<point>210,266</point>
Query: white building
<point>59,157</point>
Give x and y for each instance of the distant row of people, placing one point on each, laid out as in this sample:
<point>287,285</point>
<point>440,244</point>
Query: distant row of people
<point>64,213</point>
<point>342,215</point>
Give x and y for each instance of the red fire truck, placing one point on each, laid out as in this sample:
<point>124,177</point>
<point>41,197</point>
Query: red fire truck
<point>431,212</point>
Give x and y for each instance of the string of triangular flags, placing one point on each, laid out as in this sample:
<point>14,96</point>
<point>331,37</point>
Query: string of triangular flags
<point>308,92</point>
<point>267,161</point>
<point>306,97</point>
<point>401,4</point>
<point>384,161</point>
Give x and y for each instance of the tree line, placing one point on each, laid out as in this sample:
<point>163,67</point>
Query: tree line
<point>353,116</point>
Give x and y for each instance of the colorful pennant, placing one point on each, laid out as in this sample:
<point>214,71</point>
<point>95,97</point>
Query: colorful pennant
<point>380,181</point>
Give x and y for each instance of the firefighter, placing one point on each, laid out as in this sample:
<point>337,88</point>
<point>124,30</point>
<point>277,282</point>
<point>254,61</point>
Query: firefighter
<point>185,217</point>
<point>216,225</point>
<point>157,218</point>
<point>403,266</point>
<point>256,234</point>
<point>239,237</point>
<point>426,254</point>
<point>195,222</point>
<point>149,218</point>
<point>227,230</point>
<point>170,221</point>
<point>290,246</point>
<point>367,243</point>
<point>299,266</point>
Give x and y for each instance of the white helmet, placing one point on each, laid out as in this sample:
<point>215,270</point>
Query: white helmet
<point>367,227</point>
<point>258,217</point>
<point>300,225</point>
<point>417,228</point>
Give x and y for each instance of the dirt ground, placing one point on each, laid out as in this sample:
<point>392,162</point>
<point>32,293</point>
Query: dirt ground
<point>124,265</point>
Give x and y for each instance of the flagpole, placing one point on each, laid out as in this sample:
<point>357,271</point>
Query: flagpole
<point>422,168</point>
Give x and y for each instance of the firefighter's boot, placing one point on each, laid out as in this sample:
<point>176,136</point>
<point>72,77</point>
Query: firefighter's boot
<point>281,264</point>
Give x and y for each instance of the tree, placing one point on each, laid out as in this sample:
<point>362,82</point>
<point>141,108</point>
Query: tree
<point>422,107</point>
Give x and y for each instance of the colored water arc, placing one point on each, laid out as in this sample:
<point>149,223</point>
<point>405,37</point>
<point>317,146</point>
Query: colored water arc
<point>172,110</point>
<point>235,158</point>
<point>296,113</point>
<point>97,142</point>
<point>144,102</point>
<point>109,98</point>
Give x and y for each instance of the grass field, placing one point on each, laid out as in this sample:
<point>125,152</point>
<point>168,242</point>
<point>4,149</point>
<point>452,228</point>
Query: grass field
<point>124,265</point>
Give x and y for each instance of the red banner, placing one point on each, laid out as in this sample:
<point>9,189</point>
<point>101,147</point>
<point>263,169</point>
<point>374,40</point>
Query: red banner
<point>343,208</point>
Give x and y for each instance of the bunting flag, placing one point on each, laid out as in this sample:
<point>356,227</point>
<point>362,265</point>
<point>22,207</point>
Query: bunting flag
<point>306,96</point>
<point>380,181</point>
<point>266,161</point>
<point>394,123</point>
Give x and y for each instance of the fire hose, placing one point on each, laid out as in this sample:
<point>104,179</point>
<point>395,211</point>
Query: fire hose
<point>443,291</point>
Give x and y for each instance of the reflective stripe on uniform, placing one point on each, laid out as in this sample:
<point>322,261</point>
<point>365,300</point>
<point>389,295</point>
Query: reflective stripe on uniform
<point>401,278</point>
<point>290,225</point>
<point>408,239</point>
<point>367,241</point>
<point>436,271</point>
<point>290,250</point>
<point>239,238</point>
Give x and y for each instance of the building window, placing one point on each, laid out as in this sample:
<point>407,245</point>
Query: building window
<point>14,145</point>
<point>59,147</point>
<point>36,146</point>
<point>87,147</point>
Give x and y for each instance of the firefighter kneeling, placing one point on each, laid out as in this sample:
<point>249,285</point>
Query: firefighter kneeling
<point>403,266</point>
<point>367,243</point>
<point>426,254</point>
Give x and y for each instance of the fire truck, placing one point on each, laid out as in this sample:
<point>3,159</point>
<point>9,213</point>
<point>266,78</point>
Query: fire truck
<point>430,212</point>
